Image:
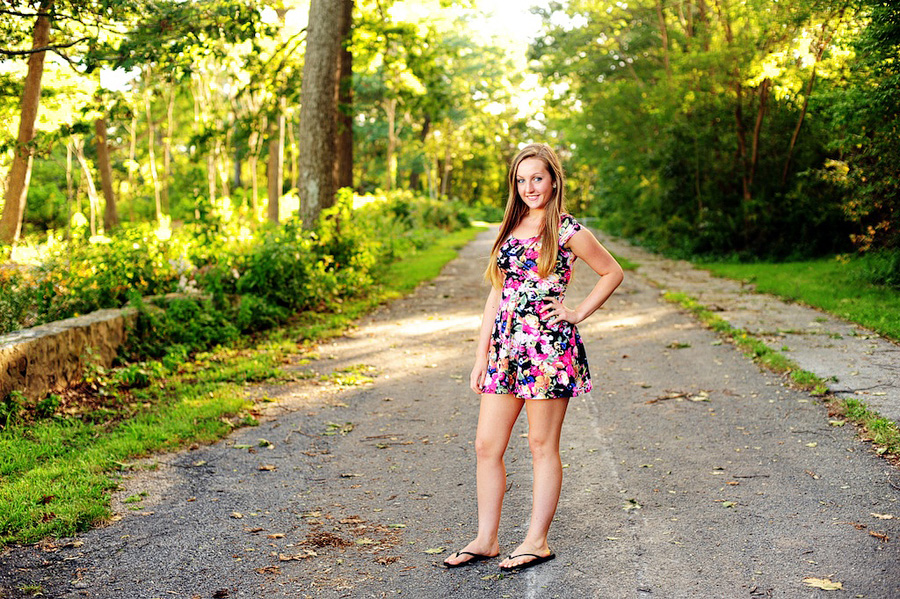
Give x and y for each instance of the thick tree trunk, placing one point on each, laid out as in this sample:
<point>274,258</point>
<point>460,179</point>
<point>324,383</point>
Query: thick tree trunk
<point>275,170</point>
<point>318,110</point>
<point>343,170</point>
<point>20,173</point>
<point>110,213</point>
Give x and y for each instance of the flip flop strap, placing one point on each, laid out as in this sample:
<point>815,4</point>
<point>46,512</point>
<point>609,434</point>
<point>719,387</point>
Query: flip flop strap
<point>526,555</point>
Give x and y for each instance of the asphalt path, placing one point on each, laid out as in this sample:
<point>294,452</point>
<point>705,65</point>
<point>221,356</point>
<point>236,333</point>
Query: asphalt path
<point>689,473</point>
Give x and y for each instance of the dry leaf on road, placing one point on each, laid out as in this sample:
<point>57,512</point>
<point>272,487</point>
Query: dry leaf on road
<point>822,583</point>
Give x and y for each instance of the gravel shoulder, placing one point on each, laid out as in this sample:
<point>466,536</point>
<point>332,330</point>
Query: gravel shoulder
<point>689,473</point>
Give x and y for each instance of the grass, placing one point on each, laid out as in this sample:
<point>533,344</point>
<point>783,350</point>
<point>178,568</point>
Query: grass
<point>835,285</point>
<point>883,433</point>
<point>57,473</point>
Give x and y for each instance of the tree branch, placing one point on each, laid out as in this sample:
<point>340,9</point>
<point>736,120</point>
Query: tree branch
<point>51,48</point>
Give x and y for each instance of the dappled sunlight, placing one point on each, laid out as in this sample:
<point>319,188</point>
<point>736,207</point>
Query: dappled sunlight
<point>624,320</point>
<point>416,326</point>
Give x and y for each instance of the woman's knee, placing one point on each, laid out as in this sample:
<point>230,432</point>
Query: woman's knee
<point>487,449</point>
<point>543,447</point>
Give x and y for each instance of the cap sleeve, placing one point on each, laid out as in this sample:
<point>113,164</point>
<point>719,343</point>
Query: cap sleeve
<point>568,226</point>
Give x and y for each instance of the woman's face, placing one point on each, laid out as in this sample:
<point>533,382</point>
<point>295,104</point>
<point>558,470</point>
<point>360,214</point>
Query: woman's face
<point>534,183</point>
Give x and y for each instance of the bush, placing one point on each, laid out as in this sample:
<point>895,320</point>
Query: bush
<point>232,281</point>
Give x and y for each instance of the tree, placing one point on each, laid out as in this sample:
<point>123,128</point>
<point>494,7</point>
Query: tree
<point>343,172</point>
<point>19,175</point>
<point>318,110</point>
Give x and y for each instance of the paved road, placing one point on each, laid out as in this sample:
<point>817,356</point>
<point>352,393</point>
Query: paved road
<point>689,473</point>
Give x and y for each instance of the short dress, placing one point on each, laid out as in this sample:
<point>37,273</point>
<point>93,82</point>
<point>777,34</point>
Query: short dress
<point>528,357</point>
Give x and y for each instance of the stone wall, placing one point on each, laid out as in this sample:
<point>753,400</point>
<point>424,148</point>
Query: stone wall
<point>48,358</point>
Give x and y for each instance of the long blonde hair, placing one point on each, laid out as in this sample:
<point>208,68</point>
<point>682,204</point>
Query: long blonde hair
<point>516,209</point>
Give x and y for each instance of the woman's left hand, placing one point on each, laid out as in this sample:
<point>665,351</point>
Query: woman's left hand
<point>553,311</point>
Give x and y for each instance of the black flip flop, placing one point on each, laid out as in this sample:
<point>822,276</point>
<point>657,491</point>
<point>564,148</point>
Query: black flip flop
<point>476,557</point>
<point>538,559</point>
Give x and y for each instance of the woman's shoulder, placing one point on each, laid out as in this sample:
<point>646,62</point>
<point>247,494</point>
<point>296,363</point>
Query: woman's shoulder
<point>568,226</point>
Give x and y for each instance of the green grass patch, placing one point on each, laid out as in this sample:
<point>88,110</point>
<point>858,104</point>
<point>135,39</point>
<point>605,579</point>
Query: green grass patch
<point>59,469</point>
<point>881,431</point>
<point>837,285</point>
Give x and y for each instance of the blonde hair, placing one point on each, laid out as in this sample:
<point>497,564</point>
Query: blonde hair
<point>516,209</point>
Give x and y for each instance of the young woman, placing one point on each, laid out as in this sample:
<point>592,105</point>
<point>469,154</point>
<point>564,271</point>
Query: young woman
<point>529,352</point>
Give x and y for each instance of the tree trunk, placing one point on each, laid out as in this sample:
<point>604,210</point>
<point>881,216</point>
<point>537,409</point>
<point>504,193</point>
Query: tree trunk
<point>132,164</point>
<point>318,112</point>
<point>151,147</point>
<point>423,135</point>
<point>93,198</point>
<point>275,170</point>
<point>70,190</point>
<point>20,173</point>
<point>110,214</point>
<point>760,113</point>
<point>343,170</point>
<point>664,32</point>
<point>390,109</point>
<point>167,145</point>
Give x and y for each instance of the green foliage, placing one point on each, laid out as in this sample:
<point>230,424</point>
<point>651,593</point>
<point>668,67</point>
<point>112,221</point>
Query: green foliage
<point>698,129</point>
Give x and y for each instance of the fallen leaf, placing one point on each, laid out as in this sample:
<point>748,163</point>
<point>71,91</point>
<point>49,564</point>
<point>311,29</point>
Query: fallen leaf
<point>237,515</point>
<point>265,443</point>
<point>220,594</point>
<point>632,504</point>
<point>269,570</point>
<point>822,583</point>
<point>241,446</point>
<point>813,444</point>
<point>729,503</point>
<point>277,535</point>
<point>365,541</point>
<point>396,525</point>
<point>350,475</point>
<point>267,467</point>
<point>305,554</point>
<point>882,516</point>
<point>197,464</point>
<point>435,550</point>
<point>837,422</point>
<point>880,536</point>
<point>812,474</point>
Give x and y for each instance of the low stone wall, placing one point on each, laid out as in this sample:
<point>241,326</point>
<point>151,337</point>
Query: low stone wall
<point>50,357</point>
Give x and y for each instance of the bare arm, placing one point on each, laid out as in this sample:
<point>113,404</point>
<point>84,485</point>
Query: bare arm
<point>491,306</point>
<point>586,247</point>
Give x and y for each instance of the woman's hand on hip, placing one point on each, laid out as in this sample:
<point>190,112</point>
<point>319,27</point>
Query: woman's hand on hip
<point>553,311</point>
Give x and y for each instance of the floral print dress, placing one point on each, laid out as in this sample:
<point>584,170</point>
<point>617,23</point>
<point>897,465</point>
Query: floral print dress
<point>530,358</point>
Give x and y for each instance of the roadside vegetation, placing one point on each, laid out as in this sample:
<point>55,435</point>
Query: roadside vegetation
<point>190,357</point>
<point>883,433</point>
<point>863,289</point>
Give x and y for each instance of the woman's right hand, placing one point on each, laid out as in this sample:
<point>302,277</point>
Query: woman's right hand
<point>479,372</point>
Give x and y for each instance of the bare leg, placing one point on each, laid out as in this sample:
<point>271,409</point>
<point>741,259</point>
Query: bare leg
<point>496,418</point>
<point>545,419</point>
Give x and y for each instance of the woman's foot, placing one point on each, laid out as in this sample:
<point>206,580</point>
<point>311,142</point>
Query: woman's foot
<point>526,556</point>
<point>472,553</point>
